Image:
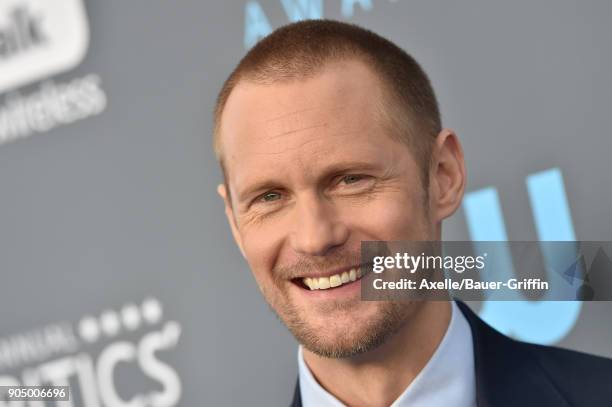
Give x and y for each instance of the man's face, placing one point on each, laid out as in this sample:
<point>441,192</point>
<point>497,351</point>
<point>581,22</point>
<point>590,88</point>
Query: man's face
<point>312,171</point>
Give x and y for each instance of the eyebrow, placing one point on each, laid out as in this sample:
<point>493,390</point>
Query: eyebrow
<point>327,172</point>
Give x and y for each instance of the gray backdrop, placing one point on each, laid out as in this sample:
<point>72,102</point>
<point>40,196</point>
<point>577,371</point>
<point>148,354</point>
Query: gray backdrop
<point>119,274</point>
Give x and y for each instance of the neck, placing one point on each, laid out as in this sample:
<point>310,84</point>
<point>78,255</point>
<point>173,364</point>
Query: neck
<point>380,376</point>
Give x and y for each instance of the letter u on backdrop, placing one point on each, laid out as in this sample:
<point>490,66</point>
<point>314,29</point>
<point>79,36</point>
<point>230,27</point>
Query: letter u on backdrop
<point>543,322</point>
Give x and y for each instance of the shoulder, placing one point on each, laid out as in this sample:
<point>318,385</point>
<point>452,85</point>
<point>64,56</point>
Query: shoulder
<point>577,375</point>
<point>515,373</point>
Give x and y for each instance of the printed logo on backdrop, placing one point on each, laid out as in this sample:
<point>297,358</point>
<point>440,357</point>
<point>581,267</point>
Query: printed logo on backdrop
<point>112,359</point>
<point>257,25</point>
<point>39,39</point>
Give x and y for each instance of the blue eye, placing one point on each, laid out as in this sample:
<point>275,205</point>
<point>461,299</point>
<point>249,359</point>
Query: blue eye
<point>269,196</point>
<point>351,179</point>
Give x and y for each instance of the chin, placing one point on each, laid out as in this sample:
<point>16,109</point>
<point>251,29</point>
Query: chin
<point>342,344</point>
<point>354,334</point>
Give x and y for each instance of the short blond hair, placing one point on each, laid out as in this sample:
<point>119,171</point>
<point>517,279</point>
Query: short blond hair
<point>300,50</point>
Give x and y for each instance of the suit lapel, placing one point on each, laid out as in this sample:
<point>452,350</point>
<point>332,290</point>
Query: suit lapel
<point>297,398</point>
<point>507,374</point>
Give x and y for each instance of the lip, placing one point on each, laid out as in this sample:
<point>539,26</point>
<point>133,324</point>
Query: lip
<point>343,292</point>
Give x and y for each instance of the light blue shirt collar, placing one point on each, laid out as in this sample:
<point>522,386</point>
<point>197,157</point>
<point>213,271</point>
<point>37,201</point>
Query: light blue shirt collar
<point>448,378</point>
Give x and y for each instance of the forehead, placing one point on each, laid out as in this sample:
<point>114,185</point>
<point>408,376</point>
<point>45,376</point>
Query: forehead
<point>336,111</point>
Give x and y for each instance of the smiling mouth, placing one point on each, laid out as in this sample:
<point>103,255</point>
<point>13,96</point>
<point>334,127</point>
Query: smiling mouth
<point>336,280</point>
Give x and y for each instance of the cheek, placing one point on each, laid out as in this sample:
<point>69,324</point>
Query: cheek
<point>261,245</point>
<point>392,217</point>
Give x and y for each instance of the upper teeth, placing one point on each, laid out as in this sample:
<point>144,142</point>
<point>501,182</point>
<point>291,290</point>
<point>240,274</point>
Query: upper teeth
<point>323,283</point>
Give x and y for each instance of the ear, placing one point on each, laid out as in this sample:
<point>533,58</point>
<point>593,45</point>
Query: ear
<point>229,213</point>
<point>447,176</point>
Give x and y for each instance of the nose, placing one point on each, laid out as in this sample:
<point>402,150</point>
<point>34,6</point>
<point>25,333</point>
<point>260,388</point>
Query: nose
<point>318,227</point>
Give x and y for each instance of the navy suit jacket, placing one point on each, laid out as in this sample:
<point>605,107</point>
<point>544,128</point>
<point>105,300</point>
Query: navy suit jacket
<point>511,373</point>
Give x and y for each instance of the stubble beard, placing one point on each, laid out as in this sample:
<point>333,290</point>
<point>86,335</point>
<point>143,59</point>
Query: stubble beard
<point>389,318</point>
